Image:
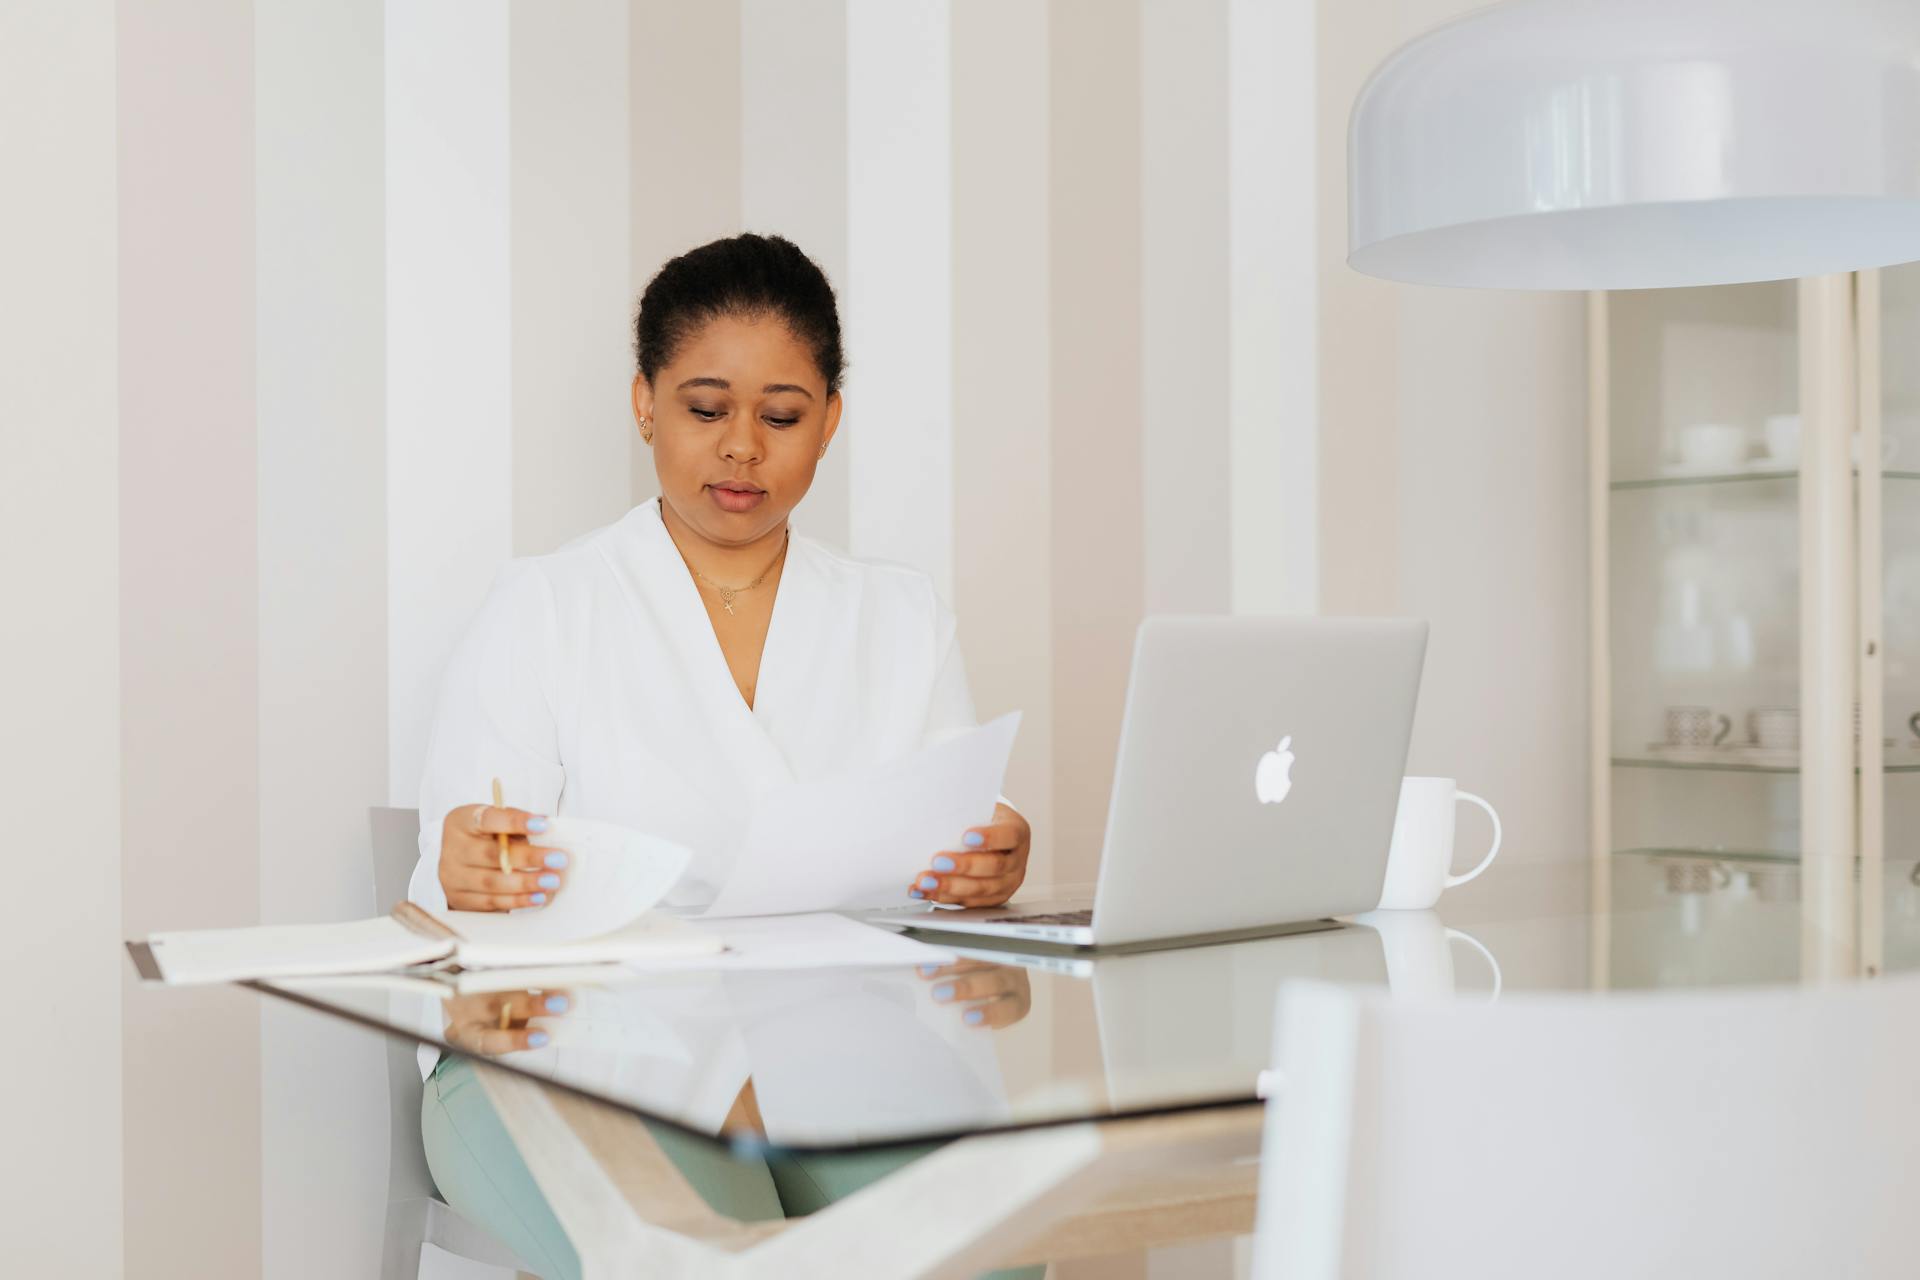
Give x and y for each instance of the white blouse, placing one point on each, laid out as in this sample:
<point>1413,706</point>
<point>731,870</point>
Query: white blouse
<point>591,684</point>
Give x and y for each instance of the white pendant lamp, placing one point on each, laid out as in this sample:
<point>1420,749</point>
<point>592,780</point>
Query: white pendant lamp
<point>1626,144</point>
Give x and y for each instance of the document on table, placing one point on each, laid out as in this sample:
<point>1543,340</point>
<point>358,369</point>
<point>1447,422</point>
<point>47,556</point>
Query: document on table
<point>856,841</point>
<point>813,941</point>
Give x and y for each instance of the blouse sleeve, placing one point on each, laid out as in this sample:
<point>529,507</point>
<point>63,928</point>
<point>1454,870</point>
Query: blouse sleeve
<point>950,709</point>
<point>493,716</point>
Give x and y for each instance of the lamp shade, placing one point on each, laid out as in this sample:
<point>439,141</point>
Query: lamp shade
<point>1624,144</point>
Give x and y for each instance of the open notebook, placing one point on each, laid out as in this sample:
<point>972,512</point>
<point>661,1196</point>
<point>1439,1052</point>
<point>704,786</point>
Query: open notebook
<point>616,876</point>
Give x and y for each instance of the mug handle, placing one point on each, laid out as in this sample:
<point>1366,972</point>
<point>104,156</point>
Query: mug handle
<point>1725,727</point>
<point>1460,935</point>
<point>1913,723</point>
<point>1487,861</point>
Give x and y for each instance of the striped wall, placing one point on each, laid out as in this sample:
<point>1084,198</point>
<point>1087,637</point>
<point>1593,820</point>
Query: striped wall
<point>60,746</point>
<point>332,315</point>
<point>190,597</point>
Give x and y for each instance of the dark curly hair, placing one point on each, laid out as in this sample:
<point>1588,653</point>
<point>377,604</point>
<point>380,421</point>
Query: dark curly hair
<point>743,275</point>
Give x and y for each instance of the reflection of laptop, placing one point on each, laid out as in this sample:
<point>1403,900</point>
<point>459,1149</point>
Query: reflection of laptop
<point>1258,773</point>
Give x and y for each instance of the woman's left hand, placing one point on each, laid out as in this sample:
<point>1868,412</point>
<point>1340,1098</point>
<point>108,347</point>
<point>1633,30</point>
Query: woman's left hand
<point>987,868</point>
<point>988,995</point>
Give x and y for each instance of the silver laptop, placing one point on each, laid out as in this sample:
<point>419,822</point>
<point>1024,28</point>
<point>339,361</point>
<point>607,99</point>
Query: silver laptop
<point>1258,773</point>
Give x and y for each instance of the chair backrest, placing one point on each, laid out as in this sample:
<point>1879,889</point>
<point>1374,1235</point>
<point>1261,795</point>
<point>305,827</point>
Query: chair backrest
<point>1760,1132</point>
<point>396,850</point>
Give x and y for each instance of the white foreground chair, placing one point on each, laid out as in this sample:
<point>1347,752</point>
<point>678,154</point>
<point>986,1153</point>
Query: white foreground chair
<point>415,1213</point>
<point>1753,1133</point>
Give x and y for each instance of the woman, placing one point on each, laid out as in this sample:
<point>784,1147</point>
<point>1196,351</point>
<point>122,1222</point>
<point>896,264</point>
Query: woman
<point>659,671</point>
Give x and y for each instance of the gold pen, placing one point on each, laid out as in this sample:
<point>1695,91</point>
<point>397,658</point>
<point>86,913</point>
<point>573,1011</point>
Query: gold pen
<point>499,802</point>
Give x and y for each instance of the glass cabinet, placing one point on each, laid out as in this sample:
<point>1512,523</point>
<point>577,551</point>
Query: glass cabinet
<point>1755,543</point>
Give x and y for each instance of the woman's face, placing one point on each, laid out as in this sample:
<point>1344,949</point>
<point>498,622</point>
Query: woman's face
<point>739,418</point>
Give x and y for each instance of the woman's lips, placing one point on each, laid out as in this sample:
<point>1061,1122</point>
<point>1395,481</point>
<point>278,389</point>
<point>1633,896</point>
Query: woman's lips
<point>736,500</point>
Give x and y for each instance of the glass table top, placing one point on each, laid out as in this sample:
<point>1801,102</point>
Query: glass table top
<point>846,1058</point>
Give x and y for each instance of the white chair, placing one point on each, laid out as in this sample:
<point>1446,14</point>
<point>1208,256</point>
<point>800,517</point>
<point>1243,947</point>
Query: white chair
<point>415,1213</point>
<point>1744,1133</point>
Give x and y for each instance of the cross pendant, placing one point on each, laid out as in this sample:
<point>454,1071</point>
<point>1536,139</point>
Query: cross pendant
<point>726,598</point>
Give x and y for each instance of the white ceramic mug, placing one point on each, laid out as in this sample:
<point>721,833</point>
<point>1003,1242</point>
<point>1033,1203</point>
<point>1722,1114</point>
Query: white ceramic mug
<point>1420,860</point>
<point>1696,727</point>
<point>1775,728</point>
<point>1712,444</point>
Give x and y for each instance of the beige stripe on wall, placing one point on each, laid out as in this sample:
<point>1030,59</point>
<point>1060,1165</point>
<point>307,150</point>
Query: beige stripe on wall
<point>1002,466</point>
<point>1359,344</point>
<point>1097,588</point>
<point>573,432</point>
<point>684,176</point>
<point>792,150</point>
<point>1185,440</point>
<point>188,624</point>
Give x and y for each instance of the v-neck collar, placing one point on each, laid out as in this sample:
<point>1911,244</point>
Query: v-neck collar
<point>687,614</point>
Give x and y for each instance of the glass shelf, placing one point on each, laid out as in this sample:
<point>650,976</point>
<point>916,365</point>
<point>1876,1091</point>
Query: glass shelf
<point>1729,477</point>
<point>1714,855</point>
<point>1738,766</point>
<point>1910,870</point>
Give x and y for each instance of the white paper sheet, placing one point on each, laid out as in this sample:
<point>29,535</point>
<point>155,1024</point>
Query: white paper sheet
<point>614,874</point>
<point>856,841</point>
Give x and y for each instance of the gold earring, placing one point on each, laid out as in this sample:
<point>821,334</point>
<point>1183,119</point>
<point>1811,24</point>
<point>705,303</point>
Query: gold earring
<point>646,431</point>
<point>823,451</point>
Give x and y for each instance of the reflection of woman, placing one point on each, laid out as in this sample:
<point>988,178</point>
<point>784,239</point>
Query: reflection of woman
<point>661,670</point>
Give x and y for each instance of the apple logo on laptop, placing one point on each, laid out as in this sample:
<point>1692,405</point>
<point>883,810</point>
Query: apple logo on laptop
<point>1271,780</point>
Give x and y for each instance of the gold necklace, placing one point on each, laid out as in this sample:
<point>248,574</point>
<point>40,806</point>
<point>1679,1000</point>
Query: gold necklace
<point>728,593</point>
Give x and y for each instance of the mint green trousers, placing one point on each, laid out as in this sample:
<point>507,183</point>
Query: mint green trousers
<point>479,1172</point>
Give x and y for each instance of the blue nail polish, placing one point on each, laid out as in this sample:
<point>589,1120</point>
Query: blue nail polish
<point>973,840</point>
<point>928,970</point>
<point>537,1038</point>
<point>974,1016</point>
<point>943,992</point>
<point>928,882</point>
<point>539,899</point>
<point>556,859</point>
<point>536,824</point>
<point>943,863</point>
<point>556,1004</point>
<point>549,882</point>
<point>915,893</point>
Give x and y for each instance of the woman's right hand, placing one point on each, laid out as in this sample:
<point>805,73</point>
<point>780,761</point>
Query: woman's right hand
<point>502,1022</point>
<point>470,871</point>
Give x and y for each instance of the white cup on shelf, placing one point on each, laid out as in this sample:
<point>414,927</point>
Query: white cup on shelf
<point>1712,445</point>
<point>1774,728</point>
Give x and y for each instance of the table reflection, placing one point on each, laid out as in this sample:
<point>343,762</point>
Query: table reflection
<point>823,1058</point>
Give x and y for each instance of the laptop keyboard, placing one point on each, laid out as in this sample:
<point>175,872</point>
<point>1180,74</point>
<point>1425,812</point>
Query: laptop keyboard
<point>1082,916</point>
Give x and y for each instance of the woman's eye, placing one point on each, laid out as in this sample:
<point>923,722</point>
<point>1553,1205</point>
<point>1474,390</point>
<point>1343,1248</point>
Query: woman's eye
<point>705,415</point>
<point>781,422</point>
